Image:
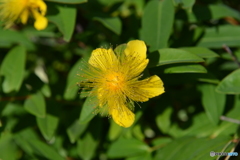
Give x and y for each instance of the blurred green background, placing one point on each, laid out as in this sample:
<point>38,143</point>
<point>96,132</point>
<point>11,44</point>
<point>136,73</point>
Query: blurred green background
<point>193,45</point>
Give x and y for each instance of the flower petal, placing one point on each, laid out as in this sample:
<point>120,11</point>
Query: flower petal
<point>123,116</point>
<point>41,22</point>
<point>136,48</point>
<point>103,58</point>
<point>41,5</point>
<point>24,16</point>
<point>136,61</point>
<point>142,90</point>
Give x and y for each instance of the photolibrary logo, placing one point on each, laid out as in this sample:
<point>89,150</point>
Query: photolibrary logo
<point>212,153</point>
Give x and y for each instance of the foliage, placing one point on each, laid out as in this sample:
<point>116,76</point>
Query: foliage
<point>194,46</point>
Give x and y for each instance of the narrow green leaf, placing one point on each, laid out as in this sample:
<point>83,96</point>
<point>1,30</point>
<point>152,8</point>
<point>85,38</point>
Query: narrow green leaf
<point>35,105</point>
<point>213,102</point>
<point>75,130</point>
<point>170,55</point>
<point>47,126</point>
<point>65,20</point>
<point>184,68</point>
<point>112,23</point>
<point>191,148</point>
<point>127,147</point>
<point>13,68</point>
<point>201,52</point>
<point>157,22</point>
<point>216,37</point>
<point>230,84</point>
<point>88,108</point>
<point>164,120</point>
<point>69,1</point>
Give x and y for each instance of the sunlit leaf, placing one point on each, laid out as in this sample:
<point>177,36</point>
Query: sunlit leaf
<point>230,84</point>
<point>112,23</point>
<point>216,37</point>
<point>170,55</point>
<point>13,68</point>
<point>157,22</point>
<point>65,20</point>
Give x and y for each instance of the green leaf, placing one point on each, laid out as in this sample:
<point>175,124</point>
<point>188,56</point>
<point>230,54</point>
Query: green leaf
<point>145,156</point>
<point>35,105</point>
<point>217,37</point>
<point>114,131</point>
<point>46,91</point>
<point>161,141</point>
<point>8,149</point>
<point>65,20</point>
<point>10,37</point>
<point>112,23</point>
<point>13,68</point>
<point>87,146</point>
<point>185,4</point>
<point>88,108</point>
<point>226,127</point>
<point>170,55</point>
<point>126,148</point>
<point>69,1</point>
<point>201,52</point>
<point>213,102</point>
<point>44,150</point>
<point>164,120</point>
<point>72,80</point>
<point>137,132</point>
<point>191,148</point>
<point>75,130</point>
<point>157,22</point>
<point>212,12</point>
<point>201,127</point>
<point>230,84</point>
<point>184,68</point>
<point>47,126</point>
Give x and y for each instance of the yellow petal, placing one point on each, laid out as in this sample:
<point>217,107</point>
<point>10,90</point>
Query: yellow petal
<point>40,5</point>
<point>136,61</point>
<point>123,116</point>
<point>24,16</point>
<point>103,58</point>
<point>136,48</point>
<point>41,22</point>
<point>142,90</point>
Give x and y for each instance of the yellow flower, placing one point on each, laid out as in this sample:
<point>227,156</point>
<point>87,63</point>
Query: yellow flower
<point>12,10</point>
<point>114,79</point>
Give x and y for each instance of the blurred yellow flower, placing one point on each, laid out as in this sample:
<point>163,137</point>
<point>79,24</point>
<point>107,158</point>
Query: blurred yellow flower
<point>12,10</point>
<point>114,79</point>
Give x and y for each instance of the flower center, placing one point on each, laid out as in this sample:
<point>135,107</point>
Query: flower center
<point>114,81</point>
